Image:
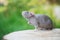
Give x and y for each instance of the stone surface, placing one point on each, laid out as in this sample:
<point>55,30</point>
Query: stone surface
<point>34,35</point>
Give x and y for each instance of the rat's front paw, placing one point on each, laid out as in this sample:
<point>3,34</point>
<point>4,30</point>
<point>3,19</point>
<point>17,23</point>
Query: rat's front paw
<point>29,23</point>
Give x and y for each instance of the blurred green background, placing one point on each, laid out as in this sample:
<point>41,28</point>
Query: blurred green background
<point>10,14</point>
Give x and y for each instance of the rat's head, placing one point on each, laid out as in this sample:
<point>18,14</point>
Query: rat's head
<point>27,14</point>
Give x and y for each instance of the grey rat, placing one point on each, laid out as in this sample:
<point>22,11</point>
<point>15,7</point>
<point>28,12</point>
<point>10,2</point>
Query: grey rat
<point>39,21</point>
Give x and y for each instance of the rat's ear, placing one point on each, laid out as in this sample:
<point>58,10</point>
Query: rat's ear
<point>32,13</point>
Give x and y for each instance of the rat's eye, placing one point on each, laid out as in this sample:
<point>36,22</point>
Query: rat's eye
<point>27,12</point>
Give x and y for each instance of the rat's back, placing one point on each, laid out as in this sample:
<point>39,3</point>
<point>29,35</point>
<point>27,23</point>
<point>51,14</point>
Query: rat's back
<point>44,21</point>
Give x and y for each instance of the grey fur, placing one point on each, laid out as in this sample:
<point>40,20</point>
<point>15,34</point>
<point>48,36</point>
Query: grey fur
<point>39,21</point>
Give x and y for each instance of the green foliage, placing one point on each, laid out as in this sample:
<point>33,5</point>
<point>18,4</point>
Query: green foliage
<point>11,19</point>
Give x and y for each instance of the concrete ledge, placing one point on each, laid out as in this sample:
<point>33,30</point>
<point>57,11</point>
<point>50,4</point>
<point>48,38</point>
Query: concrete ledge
<point>34,35</point>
